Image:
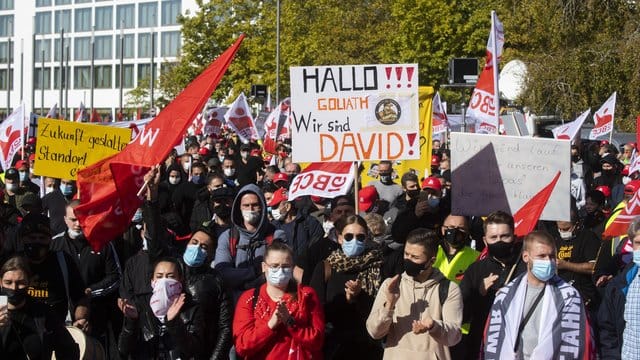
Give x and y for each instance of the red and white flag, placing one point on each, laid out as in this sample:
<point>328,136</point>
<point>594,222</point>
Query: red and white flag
<point>526,218</point>
<point>634,163</point>
<point>621,223</point>
<point>215,119</point>
<point>11,136</point>
<point>327,180</point>
<point>53,112</point>
<point>603,118</point>
<point>108,188</point>
<point>80,112</point>
<point>484,105</point>
<point>439,119</point>
<point>273,130</point>
<point>569,130</point>
<point>239,119</point>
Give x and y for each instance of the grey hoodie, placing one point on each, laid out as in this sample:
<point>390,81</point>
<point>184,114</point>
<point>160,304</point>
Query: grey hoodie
<point>244,271</point>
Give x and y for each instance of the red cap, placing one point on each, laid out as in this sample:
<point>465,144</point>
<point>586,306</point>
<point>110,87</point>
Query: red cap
<point>280,177</point>
<point>367,196</point>
<point>279,196</point>
<point>432,183</point>
<point>631,187</point>
<point>203,151</point>
<point>625,170</point>
<point>605,190</point>
<point>435,160</point>
<point>21,163</point>
<point>255,152</point>
<point>604,142</point>
<point>316,199</point>
<point>32,157</point>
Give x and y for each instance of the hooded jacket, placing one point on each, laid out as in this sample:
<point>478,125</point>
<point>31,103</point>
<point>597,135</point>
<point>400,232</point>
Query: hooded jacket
<point>244,271</point>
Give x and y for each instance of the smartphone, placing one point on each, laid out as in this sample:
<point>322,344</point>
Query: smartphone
<point>4,300</point>
<point>423,196</point>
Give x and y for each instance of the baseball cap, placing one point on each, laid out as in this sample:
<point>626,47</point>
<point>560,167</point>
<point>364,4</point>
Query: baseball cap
<point>432,183</point>
<point>279,196</point>
<point>631,187</point>
<point>223,192</point>
<point>605,190</point>
<point>604,142</point>
<point>280,177</point>
<point>367,196</point>
<point>34,223</point>
<point>21,163</point>
<point>11,174</point>
<point>32,157</point>
<point>435,160</point>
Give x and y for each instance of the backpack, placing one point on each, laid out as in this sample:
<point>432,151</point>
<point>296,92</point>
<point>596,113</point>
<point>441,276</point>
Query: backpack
<point>443,290</point>
<point>234,238</point>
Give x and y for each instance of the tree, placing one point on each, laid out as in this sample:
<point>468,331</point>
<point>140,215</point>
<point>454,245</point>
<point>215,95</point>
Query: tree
<point>138,97</point>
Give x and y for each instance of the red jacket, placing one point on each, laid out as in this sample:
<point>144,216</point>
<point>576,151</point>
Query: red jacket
<point>254,339</point>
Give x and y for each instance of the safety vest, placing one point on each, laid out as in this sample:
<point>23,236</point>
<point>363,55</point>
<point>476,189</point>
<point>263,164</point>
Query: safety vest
<point>454,269</point>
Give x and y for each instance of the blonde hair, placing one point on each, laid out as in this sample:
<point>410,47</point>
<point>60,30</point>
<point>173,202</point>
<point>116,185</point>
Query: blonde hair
<point>375,223</point>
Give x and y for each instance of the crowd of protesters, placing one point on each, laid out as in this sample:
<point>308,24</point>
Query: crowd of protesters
<point>220,263</point>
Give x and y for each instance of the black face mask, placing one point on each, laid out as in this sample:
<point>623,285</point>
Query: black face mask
<point>386,179</point>
<point>222,211</point>
<point>455,238</point>
<point>609,173</point>
<point>413,269</point>
<point>15,297</point>
<point>575,158</point>
<point>35,251</point>
<point>501,250</point>
<point>413,193</point>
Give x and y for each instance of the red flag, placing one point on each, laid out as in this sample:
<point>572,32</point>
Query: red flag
<point>108,188</point>
<point>95,116</point>
<point>526,218</point>
<point>637,131</point>
<point>620,224</point>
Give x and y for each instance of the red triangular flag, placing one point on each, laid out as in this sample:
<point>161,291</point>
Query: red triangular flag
<point>108,188</point>
<point>527,217</point>
<point>623,219</point>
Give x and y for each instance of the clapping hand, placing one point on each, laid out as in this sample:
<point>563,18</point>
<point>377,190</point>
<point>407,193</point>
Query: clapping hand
<point>352,289</point>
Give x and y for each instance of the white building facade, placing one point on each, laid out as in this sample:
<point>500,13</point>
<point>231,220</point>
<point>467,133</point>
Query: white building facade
<point>104,22</point>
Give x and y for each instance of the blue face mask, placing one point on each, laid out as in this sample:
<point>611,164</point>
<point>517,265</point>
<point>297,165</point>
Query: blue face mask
<point>543,270</point>
<point>353,248</point>
<point>636,257</point>
<point>197,179</point>
<point>279,277</point>
<point>194,255</point>
<point>433,202</point>
<point>66,189</point>
<point>137,217</point>
<point>24,175</point>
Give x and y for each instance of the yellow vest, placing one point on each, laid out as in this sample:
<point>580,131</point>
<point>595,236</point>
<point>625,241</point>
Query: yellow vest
<point>454,269</point>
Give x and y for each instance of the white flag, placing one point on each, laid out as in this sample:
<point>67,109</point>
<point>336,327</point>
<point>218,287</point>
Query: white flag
<point>569,130</point>
<point>603,118</point>
<point>11,136</point>
<point>239,119</point>
<point>439,116</point>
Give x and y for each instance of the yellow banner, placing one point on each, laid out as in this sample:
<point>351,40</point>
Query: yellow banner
<point>421,167</point>
<point>64,147</point>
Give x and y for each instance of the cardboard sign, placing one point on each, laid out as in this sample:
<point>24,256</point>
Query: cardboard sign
<point>355,113</point>
<point>493,172</point>
<point>64,147</point>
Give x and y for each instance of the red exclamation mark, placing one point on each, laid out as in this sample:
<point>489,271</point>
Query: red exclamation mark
<point>388,71</point>
<point>412,139</point>
<point>399,75</point>
<point>409,75</point>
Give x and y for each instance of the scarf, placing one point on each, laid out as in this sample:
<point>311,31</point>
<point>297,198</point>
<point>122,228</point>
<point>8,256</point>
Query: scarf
<point>564,329</point>
<point>366,265</point>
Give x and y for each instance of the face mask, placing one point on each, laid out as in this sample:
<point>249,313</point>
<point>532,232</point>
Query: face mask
<point>31,170</point>
<point>275,213</point>
<point>197,179</point>
<point>625,180</point>
<point>66,189</point>
<point>607,172</point>
<point>222,211</point>
<point>165,292</point>
<point>194,255</point>
<point>352,248</point>
<point>15,297</point>
<point>174,180</point>
<point>413,269</point>
<point>282,154</point>
<point>12,187</point>
<point>636,257</point>
<point>48,190</point>
<point>244,154</point>
<point>412,194</point>
<point>543,270</point>
<point>279,277</point>
<point>575,158</point>
<point>327,226</point>
<point>455,238</point>
<point>221,158</point>
<point>186,166</point>
<point>208,146</point>
<point>252,217</point>
<point>35,251</point>
<point>501,250</point>
<point>433,202</point>
<point>74,234</point>
<point>23,175</point>
<point>386,179</point>
<point>565,235</point>
<point>137,217</point>
<point>229,172</point>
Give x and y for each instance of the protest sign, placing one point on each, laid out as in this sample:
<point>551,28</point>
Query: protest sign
<point>493,172</point>
<point>355,113</point>
<point>327,180</point>
<point>64,147</point>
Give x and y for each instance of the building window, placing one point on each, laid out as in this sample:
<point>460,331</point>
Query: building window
<point>4,53</point>
<point>103,47</point>
<point>82,77</point>
<point>129,48</point>
<point>56,48</point>
<point>41,3</point>
<point>82,1</point>
<point>170,43</point>
<point>127,76</point>
<point>56,77</point>
<point>6,4</point>
<point>43,23</point>
<point>63,20</point>
<point>170,12</point>
<point>63,2</point>
<point>144,45</point>
<point>147,15</point>
<point>103,76</point>
<point>144,72</point>
<point>43,45</point>
<point>38,78</point>
<point>125,16</point>
<point>103,18</point>
<point>82,48</point>
<point>3,79</point>
<point>83,19</point>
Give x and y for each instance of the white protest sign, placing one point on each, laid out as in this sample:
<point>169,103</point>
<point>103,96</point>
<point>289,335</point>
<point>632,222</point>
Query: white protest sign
<point>493,172</point>
<point>355,113</point>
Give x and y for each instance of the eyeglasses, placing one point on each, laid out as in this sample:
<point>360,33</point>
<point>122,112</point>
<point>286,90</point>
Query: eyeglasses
<point>279,266</point>
<point>350,236</point>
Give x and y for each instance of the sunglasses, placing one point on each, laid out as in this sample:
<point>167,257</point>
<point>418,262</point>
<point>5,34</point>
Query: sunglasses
<point>350,236</point>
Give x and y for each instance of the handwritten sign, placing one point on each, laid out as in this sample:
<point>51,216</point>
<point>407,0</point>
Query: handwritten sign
<point>355,112</point>
<point>64,147</point>
<point>493,172</point>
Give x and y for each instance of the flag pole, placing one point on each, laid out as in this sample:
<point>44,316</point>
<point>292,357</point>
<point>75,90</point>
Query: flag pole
<point>41,84</point>
<point>33,69</point>
<point>93,53</point>
<point>494,50</point>
<point>67,71</point>
<point>9,75</point>
<point>61,72</point>
<point>121,75</point>
<point>355,184</point>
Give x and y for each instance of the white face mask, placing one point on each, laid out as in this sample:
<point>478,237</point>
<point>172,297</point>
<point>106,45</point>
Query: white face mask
<point>165,291</point>
<point>74,234</point>
<point>12,187</point>
<point>626,180</point>
<point>229,172</point>
<point>276,214</point>
<point>279,277</point>
<point>252,217</point>
<point>48,190</point>
<point>173,180</point>
<point>565,235</point>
